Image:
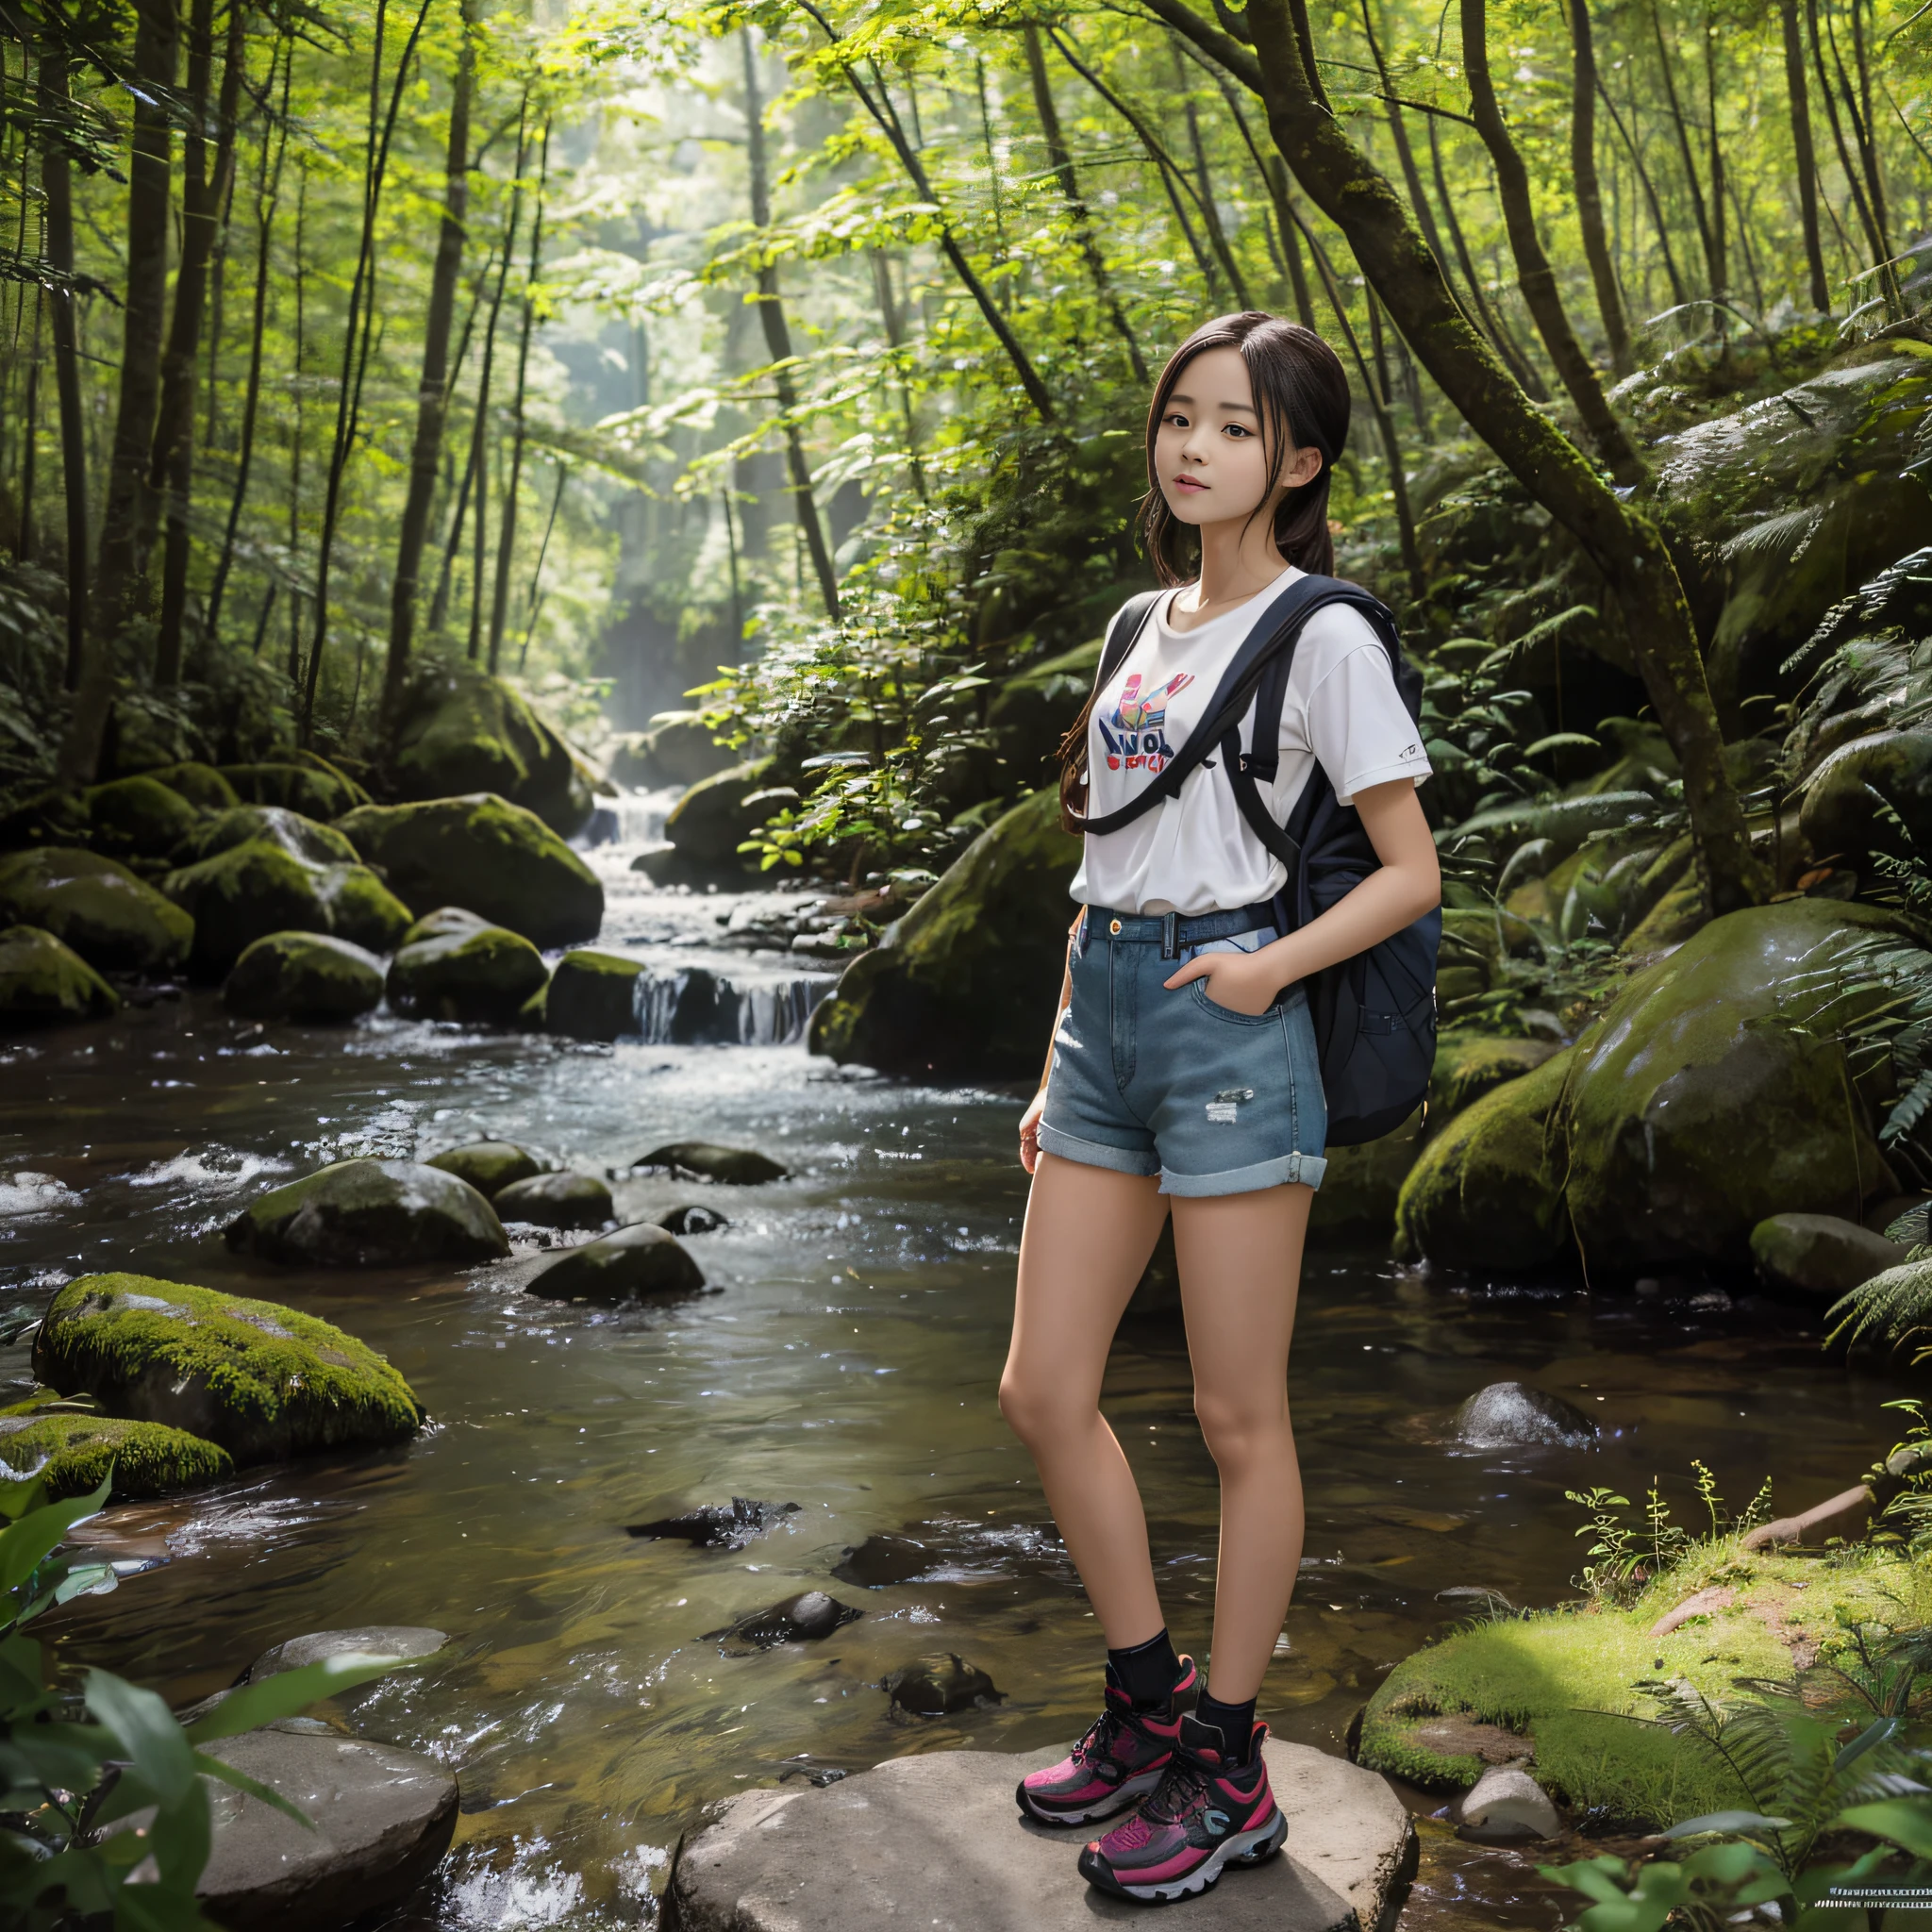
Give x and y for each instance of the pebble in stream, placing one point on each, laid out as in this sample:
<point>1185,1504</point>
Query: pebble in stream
<point>715,1525</point>
<point>882,1559</point>
<point>705,1160</point>
<point>693,1219</point>
<point>802,1619</point>
<point>934,1685</point>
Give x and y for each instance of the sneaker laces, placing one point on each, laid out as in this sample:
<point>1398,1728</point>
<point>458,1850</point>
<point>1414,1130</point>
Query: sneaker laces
<point>1183,1786</point>
<point>1100,1737</point>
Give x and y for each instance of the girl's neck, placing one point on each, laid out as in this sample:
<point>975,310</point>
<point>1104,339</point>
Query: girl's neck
<point>1239,558</point>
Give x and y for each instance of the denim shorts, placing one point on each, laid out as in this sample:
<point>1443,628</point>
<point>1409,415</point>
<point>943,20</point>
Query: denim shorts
<point>1147,1081</point>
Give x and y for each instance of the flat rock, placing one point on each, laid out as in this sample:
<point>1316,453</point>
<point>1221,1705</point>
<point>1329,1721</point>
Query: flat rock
<point>934,1841</point>
<point>368,1640</point>
<point>383,1818</point>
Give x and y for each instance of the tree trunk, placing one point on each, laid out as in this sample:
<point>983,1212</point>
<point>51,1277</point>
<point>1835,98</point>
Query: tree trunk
<point>120,575</point>
<point>1804,156</point>
<point>778,345</point>
<point>1059,158</point>
<point>1720,244</point>
<point>1713,268</point>
<point>30,437</point>
<point>1590,201</point>
<point>1617,538</point>
<point>1533,274</point>
<point>1865,126</point>
<point>895,336</point>
<point>170,466</point>
<point>1491,324</point>
<point>1679,294</point>
<point>1875,235</point>
<point>57,185</point>
<point>432,392</point>
<point>506,542</point>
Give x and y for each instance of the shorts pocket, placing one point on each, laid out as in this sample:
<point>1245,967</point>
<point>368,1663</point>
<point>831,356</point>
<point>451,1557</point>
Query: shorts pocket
<point>1197,990</point>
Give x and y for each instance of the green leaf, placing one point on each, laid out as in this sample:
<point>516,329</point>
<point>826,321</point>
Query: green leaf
<point>1873,1735</point>
<point>1727,1822</point>
<point>288,1692</point>
<point>155,1744</point>
<point>27,1543</point>
<point>1902,1822</point>
<point>252,1788</point>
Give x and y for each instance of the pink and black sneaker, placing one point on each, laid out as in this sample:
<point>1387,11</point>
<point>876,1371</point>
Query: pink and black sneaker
<point>1119,1759</point>
<point>1205,1815</point>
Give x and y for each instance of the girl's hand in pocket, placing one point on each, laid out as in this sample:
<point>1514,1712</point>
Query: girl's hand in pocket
<point>1029,1132</point>
<point>1245,983</point>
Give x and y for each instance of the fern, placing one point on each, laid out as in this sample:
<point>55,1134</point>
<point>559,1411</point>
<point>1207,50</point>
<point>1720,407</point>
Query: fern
<point>1894,1307</point>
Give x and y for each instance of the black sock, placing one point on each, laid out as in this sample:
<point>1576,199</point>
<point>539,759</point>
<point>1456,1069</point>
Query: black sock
<point>1147,1671</point>
<point>1234,1721</point>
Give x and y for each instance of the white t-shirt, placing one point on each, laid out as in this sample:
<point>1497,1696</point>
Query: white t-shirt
<point>1194,852</point>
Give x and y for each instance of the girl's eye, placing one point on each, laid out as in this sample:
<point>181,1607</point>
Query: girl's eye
<point>1238,430</point>
<point>1177,421</point>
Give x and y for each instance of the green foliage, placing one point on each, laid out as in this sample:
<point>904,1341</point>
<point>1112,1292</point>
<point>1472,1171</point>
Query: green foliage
<point>1629,1552</point>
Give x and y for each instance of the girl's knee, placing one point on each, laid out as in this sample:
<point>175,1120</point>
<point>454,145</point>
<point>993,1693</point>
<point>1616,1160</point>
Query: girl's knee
<point>1036,1409</point>
<point>1238,1431</point>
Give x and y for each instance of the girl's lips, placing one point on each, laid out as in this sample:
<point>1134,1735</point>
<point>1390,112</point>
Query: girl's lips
<point>1188,483</point>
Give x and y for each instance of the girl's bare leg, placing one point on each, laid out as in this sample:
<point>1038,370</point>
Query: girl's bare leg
<point>1241,1262</point>
<point>1087,1235</point>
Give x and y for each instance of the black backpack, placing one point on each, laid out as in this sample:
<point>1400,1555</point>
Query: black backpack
<point>1375,1014</point>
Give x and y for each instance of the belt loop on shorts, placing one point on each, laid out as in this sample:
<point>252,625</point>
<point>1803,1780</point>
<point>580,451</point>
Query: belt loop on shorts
<point>1170,936</point>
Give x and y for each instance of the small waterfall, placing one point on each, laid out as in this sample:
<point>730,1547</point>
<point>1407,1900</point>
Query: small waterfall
<point>695,1007</point>
<point>632,818</point>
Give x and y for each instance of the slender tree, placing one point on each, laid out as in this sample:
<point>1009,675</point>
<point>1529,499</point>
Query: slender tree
<point>506,542</point>
<point>1589,200</point>
<point>1804,156</point>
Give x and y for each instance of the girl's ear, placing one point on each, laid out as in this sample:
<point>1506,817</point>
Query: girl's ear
<point>1304,469</point>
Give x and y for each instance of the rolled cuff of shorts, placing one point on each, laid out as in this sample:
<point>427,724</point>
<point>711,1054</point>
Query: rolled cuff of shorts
<point>1134,1161</point>
<point>1305,1169</point>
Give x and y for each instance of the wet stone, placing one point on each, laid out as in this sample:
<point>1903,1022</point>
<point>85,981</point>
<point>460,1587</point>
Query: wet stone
<point>880,1560</point>
<point>556,1200</point>
<point>693,1219</point>
<point>802,1619</point>
<point>715,1525</point>
<point>1509,1415</point>
<point>368,1640</point>
<point>706,1160</point>
<point>636,1263</point>
<point>932,1686</point>
<point>490,1166</point>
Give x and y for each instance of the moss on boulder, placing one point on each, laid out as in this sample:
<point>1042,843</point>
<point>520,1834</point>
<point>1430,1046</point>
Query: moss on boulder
<point>315,788</point>
<point>1706,1099</point>
<point>593,996</point>
<point>370,1214</point>
<point>44,982</point>
<point>1820,1254</point>
<point>490,1166</point>
<point>473,974</point>
<point>304,839</point>
<point>1487,1191</point>
<point>483,853</point>
<point>72,1452</point>
<point>1468,1065</point>
<point>116,922</point>
<point>712,820</point>
<point>461,730</point>
<point>1558,1690</point>
<point>302,975</point>
<point>140,816</point>
<point>263,1381</point>
<point>965,983</point>
<point>199,784</point>
<point>258,887</point>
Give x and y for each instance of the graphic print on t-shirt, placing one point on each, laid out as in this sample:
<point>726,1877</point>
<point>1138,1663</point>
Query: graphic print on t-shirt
<point>1138,718</point>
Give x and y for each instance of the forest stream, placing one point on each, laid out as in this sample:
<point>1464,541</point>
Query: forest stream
<point>847,1366</point>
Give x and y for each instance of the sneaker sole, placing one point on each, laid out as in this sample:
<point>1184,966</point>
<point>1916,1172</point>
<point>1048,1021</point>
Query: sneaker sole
<point>1123,1798</point>
<point>1245,1848</point>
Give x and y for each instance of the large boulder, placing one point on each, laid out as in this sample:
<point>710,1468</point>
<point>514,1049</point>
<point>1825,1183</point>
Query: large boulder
<point>490,1166</point>
<point>304,976</point>
<point>116,922</point>
<point>199,784</point>
<point>370,1214</point>
<point>473,974</point>
<point>314,786</point>
<point>593,996</point>
<point>1355,1206</point>
<point>258,887</point>
<point>1468,1065</point>
<point>1706,1099</point>
<point>1487,1190</point>
<point>642,1263</point>
<point>677,749</point>
<point>718,814</point>
<point>42,982</point>
<point>964,985</point>
<point>1820,1254</point>
<point>263,1381</point>
<point>461,730</point>
<point>71,1451</point>
<point>556,1200</point>
<point>482,853</point>
<point>138,816</point>
<point>305,839</point>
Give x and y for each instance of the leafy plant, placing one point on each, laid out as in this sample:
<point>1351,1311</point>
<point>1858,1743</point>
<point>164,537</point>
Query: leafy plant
<point>1630,1553</point>
<point>105,1806</point>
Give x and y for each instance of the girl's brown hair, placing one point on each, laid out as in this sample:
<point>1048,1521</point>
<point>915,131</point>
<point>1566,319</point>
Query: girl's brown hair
<point>1301,393</point>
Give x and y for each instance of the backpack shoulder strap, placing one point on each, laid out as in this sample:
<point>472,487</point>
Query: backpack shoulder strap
<point>1123,633</point>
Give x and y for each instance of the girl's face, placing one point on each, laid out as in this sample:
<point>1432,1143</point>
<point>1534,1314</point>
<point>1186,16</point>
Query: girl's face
<point>1209,455</point>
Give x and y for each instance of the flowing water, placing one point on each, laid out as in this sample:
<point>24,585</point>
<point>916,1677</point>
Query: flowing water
<point>848,1366</point>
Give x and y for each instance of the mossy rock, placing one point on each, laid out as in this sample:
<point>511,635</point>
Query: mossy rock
<point>1562,1683</point>
<point>593,996</point>
<point>116,922</point>
<point>706,1160</point>
<point>71,1454</point>
<point>1036,707</point>
<point>964,985</point>
<point>44,982</point>
<point>482,853</point>
<point>1853,795</point>
<point>370,1214</point>
<point>1356,1203</point>
<point>1705,1099</point>
<point>643,1262</point>
<point>440,923</point>
<point>258,887</point>
<point>1679,912</point>
<point>199,784</point>
<point>556,1200</point>
<point>474,975</point>
<point>461,730</point>
<point>1487,1191</point>
<point>263,1381</point>
<point>490,1166</point>
<point>711,821</point>
<point>303,838</point>
<point>677,749</point>
<point>1820,1254</point>
<point>1468,1065</point>
<point>140,816</point>
<point>304,976</point>
<point>317,789</point>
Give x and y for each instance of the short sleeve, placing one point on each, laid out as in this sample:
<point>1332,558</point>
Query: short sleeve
<point>1358,726</point>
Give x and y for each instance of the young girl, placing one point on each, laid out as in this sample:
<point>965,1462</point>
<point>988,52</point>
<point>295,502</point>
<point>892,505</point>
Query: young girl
<point>1183,1078</point>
